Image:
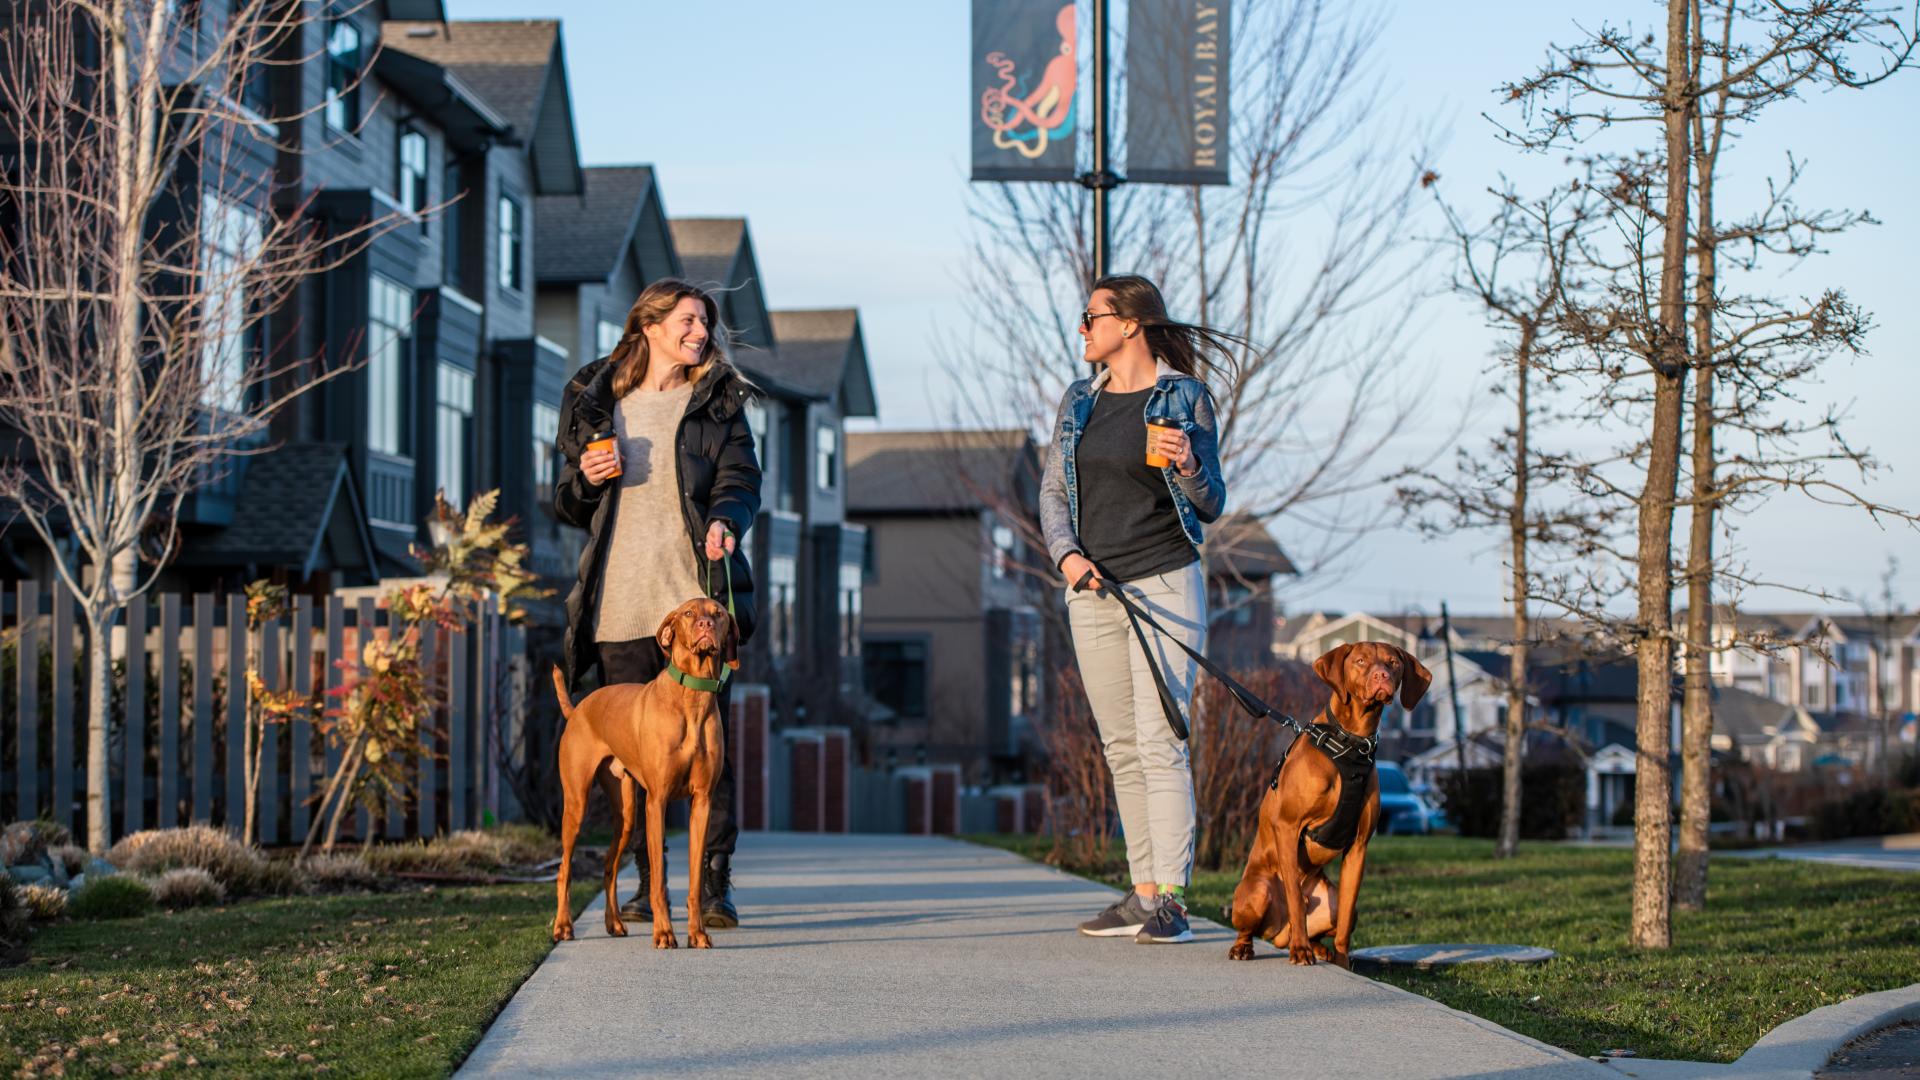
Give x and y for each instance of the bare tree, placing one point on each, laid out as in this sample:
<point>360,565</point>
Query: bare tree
<point>1502,485</point>
<point>1635,332</point>
<point>1750,352</point>
<point>145,250</point>
<point>1303,255</point>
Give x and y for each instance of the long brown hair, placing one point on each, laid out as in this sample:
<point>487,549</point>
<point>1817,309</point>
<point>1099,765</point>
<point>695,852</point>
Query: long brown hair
<point>657,301</point>
<point>1199,351</point>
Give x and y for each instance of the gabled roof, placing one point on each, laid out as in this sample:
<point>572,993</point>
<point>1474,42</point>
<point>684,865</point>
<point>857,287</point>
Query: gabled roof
<point>709,248</point>
<point>298,508</point>
<point>583,237</point>
<point>936,472</point>
<point>1745,717</point>
<point>467,119</point>
<point>823,351</point>
<point>519,68</point>
<point>1239,545</point>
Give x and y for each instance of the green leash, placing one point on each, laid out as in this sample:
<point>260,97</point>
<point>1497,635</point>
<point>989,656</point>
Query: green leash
<point>695,682</point>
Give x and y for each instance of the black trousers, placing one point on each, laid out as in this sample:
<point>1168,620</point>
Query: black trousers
<point>639,661</point>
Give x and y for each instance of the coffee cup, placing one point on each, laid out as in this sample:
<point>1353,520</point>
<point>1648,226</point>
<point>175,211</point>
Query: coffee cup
<point>1159,461</point>
<point>606,441</point>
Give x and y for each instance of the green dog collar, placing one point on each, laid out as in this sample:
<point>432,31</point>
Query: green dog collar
<point>695,682</point>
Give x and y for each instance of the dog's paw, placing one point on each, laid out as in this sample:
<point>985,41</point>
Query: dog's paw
<point>1323,951</point>
<point>562,932</point>
<point>1242,950</point>
<point>698,939</point>
<point>1300,953</point>
<point>664,939</point>
<point>616,928</point>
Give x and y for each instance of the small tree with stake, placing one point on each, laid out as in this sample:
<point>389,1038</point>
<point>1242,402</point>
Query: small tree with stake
<point>386,697</point>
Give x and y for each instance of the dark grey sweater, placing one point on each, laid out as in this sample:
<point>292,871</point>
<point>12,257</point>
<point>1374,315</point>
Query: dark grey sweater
<point>1128,524</point>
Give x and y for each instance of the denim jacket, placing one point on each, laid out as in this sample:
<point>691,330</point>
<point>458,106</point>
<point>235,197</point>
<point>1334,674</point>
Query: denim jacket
<point>1199,498</point>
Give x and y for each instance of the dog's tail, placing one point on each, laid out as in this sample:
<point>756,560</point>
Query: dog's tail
<point>560,691</point>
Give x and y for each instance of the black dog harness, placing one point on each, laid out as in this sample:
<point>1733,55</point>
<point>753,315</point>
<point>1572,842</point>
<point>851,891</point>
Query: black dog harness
<point>1352,758</point>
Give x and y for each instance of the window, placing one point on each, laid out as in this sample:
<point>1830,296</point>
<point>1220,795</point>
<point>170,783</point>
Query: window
<point>897,676</point>
<point>1002,550</point>
<point>343,75</point>
<point>229,242</point>
<point>606,335</point>
<point>546,432</point>
<point>826,456</point>
<point>412,184</point>
<point>850,586</point>
<point>1235,604</point>
<point>870,560</point>
<point>510,243</point>
<point>781,579</point>
<point>453,412</point>
<point>389,344</point>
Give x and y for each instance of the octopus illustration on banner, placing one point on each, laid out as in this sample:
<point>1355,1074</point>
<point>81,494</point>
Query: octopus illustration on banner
<point>1023,120</point>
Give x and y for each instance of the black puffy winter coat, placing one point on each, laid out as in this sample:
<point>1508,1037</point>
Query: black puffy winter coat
<point>719,481</point>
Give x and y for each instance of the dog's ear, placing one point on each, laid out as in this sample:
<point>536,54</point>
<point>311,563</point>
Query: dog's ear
<point>1329,665</point>
<point>730,649</point>
<point>1414,679</point>
<point>663,637</point>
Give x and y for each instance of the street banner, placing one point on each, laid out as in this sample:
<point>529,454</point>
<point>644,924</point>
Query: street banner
<point>1025,56</point>
<point>1177,91</point>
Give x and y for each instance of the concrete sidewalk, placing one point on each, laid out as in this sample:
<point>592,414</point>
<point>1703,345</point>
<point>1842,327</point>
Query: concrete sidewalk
<point>893,955</point>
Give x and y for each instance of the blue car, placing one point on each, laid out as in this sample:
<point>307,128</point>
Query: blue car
<point>1404,812</point>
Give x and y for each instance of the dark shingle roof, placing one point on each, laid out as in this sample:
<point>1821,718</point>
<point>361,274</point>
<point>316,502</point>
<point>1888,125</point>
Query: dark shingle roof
<point>813,349</point>
<point>287,502</point>
<point>708,247</point>
<point>582,237</point>
<point>1240,545</point>
<point>1746,717</point>
<point>923,472</point>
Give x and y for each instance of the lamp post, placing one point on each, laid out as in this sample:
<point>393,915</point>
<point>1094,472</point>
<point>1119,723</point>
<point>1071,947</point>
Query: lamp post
<point>1102,179</point>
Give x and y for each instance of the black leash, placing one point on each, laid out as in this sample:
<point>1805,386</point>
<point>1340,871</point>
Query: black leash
<point>1332,740</point>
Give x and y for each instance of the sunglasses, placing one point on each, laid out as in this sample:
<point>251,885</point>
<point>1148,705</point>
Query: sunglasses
<point>1087,317</point>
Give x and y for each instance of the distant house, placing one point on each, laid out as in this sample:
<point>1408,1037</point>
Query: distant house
<point>954,595</point>
<point>1242,559</point>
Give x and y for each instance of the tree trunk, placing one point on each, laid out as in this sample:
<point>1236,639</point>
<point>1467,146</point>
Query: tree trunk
<point>1652,923</point>
<point>1515,755</point>
<point>1696,713</point>
<point>99,710</point>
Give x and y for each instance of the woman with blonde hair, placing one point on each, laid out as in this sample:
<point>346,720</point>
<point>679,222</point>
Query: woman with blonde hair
<point>660,471</point>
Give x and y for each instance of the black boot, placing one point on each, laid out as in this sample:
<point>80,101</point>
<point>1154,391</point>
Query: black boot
<point>716,893</point>
<point>641,906</point>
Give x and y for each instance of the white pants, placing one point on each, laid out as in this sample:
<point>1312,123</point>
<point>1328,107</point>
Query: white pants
<point>1152,778</point>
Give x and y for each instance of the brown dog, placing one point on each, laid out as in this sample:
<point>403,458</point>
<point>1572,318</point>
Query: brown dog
<point>662,734</point>
<point>1284,889</point>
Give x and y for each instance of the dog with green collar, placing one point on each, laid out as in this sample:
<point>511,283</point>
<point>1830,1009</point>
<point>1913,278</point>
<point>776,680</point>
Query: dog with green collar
<point>663,736</point>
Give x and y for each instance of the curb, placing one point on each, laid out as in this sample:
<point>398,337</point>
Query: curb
<point>1796,1048</point>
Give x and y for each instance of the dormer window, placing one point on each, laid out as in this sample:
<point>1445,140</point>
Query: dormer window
<point>412,183</point>
<point>343,75</point>
<point>512,240</point>
<point>826,447</point>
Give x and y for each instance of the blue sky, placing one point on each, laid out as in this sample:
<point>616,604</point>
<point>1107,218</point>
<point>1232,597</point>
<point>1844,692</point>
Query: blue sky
<point>839,130</point>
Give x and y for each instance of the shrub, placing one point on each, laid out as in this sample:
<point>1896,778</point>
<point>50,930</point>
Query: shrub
<point>329,872</point>
<point>1552,801</point>
<point>44,903</point>
<point>13,919</point>
<point>116,897</point>
<point>185,887</point>
<point>239,869</point>
<point>71,856</point>
<point>470,851</point>
<point>1874,812</point>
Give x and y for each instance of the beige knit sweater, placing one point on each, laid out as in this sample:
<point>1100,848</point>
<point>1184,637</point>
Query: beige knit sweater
<point>650,567</point>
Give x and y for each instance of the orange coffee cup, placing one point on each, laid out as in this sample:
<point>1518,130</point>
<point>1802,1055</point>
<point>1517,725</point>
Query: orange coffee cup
<point>605,441</point>
<point>1154,460</point>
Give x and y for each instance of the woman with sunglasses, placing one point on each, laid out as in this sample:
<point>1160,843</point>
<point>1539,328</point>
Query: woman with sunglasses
<point>1133,474</point>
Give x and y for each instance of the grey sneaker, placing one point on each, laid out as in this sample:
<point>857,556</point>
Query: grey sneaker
<point>1123,918</point>
<point>1168,926</point>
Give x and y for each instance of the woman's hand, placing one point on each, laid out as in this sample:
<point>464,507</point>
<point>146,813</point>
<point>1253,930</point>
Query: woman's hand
<point>1076,566</point>
<point>1173,444</point>
<point>719,540</point>
<point>598,466</point>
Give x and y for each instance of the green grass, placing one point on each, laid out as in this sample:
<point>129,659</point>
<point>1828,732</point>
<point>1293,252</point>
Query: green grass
<point>1777,939</point>
<point>389,984</point>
